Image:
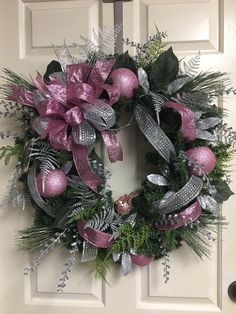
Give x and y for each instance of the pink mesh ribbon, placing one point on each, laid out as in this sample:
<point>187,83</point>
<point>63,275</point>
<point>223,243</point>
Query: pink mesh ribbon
<point>95,237</point>
<point>187,216</point>
<point>70,110</point>
<point>188,128</point>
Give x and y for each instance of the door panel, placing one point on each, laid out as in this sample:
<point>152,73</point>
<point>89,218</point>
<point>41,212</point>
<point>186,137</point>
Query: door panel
<point>206,26</point>
<point>27,31</point>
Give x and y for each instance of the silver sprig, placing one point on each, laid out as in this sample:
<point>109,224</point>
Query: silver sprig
<point>70,261</point>
<point>166,259</point>
<point>48,246</point>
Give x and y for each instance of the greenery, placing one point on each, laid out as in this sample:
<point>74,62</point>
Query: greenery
<point>136,231</point>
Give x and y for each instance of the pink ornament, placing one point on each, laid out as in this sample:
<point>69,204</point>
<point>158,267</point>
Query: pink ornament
<point>204,160</point>
<point>55,183</point>
<point>141,260</point>
<point>123,205</point>
<point>125,81</point>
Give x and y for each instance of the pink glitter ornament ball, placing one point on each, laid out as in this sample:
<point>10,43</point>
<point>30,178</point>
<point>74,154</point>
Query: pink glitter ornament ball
<point>125,81</point>
<point>55,183</point>
<point>203,157</point>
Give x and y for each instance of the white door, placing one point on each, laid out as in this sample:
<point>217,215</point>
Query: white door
<point>27,30</point>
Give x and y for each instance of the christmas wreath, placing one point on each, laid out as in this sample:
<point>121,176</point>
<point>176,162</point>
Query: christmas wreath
<point>77,103</point>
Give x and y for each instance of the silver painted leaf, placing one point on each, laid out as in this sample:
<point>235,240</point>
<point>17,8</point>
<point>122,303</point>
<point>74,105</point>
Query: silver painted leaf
<point>157,179</point>
<point>205,135</point>
<point>116,256</point>
<point>176,85</point>
<point>208,123</point>
<point>209,203</point>
<point>143,79</point>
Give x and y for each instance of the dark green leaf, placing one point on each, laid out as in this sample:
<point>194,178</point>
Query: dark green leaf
<point>164,70</point>
<point>223,192</point>
<point>170,120</point>
<point>125,61</point>
<point>53,66</point>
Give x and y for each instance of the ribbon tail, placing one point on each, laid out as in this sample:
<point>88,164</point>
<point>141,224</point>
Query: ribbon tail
<point>113,146</point>
<point>154,133</point>
<point>81,161</point>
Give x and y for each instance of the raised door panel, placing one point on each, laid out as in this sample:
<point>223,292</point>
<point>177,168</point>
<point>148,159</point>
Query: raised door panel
<point>191,25</point>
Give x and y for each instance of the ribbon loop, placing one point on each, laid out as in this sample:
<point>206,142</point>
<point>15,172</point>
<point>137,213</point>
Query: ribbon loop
<point>154,133</point>
<point>181,198</point>
<point>113,146</point>
<point>100,114</point>
<point>80,157</point>
<point>84,134</point>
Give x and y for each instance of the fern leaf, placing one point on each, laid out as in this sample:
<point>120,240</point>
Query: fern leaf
<point>191,67</point>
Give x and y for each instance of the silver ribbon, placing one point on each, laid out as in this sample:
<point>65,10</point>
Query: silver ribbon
<point>32,185</point>
<point>89,252</point>
<point>84,133</point>
<point>181,198</point>
<point>126,263</point>
<point>157,179</point>
<point>154,133</point>
<point>100,114</point>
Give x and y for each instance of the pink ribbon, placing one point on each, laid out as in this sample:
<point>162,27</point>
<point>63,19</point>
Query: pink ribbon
<point>95,237</point>
<point>141,260</point>
<point>189,215</point>
<point>65,103</point>
<point>188,128</point>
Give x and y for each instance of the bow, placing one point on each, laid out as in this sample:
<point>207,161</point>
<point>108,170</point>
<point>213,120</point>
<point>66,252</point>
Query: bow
<point>71,110</point>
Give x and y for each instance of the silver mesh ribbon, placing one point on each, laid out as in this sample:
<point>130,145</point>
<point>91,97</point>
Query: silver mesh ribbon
<point>84,133</point>
<point>126,263</point>
<point>154,133</point>
<point>181,198</point>
<point>100,114</point>
<point>32,185</point>
<point>89,252</point>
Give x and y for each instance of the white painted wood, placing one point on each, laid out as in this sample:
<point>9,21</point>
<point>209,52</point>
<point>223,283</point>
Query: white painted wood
<point>207,26</point>
<point>27,30</point>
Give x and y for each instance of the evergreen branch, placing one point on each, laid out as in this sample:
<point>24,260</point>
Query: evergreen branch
<point>211,83</point>
<point>49,245</point>
<point>131,237</point>
<point>11,77</point>
<point>7,152</point>
<point>33,239</point>
<point>101,265</point>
